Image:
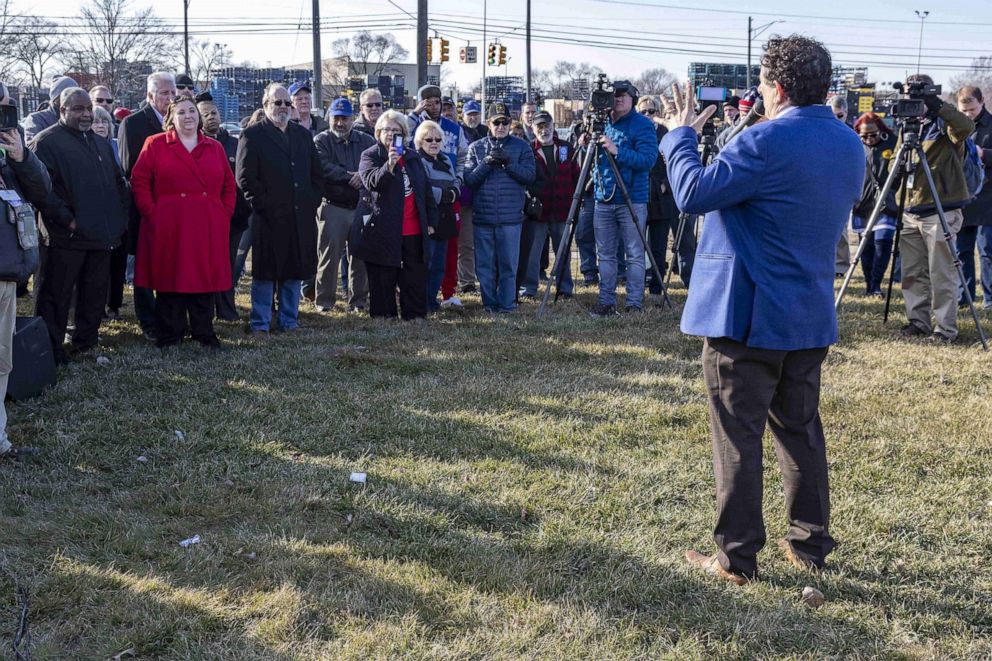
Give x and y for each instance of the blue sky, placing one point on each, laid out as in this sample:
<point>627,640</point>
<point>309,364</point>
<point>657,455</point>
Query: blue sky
<point>623,37</point>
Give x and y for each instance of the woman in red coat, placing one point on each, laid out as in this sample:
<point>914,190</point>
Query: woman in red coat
<point>185,192</point>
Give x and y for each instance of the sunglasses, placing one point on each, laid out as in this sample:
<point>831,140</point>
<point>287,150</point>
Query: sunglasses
<point>840,115</point>
<point>280,103</point>
<point>184,87</point>
<point>648,111</point>
<point>373,105</point>
<point>865,136</point>
<point>500,122</point>
<point>433,140</point>
<point>100,100</point>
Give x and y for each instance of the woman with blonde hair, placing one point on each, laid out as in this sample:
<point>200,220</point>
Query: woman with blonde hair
<point>429,141</point>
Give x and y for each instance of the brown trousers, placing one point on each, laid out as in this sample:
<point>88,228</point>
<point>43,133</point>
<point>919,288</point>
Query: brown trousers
<point>748,388</point>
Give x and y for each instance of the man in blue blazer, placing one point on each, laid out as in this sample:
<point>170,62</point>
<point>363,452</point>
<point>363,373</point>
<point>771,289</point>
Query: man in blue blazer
<point>776,200</point>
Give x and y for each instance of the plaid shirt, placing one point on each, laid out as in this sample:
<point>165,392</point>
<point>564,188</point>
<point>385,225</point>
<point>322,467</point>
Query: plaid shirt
<point>556,191</point>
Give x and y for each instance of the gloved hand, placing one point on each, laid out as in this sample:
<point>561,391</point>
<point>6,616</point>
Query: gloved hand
<point>500,156</point>
<point>933,103</point>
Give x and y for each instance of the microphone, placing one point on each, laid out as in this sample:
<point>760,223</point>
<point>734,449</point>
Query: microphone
<point>757,110</point>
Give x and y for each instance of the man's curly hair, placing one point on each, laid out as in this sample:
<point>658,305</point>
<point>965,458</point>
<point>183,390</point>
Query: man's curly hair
<point>801,65</point>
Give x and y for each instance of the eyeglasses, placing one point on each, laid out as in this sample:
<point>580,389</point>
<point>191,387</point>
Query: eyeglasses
<point>99,100</point>
<point>648,111</point>
<point>280,103</point>
<point>433,140</point>
<point>391,129</point>
<point>373,105</point>
<point>184,87</point>
<point>500,122</point>
<point>866,136</point>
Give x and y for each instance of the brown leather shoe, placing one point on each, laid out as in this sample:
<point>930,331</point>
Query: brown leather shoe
<point>710,565</point>
<point>799,563</point>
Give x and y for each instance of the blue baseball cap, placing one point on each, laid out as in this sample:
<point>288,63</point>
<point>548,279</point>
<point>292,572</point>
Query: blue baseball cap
<point>299,85</point>
<point>341,108</point>
<point>471,106</point>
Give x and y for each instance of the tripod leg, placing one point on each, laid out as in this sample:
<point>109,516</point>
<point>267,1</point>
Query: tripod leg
<point>565,245</point>
<point>895,253</point>
<point>637,226</point>
<point>872,220</point>
<point>952,245</point>
<point>675,248</point>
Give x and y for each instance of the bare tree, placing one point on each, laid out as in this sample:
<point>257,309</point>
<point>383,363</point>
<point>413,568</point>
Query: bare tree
<point>36,47</point>
<point>204,57</point>
<point>8,63</point>
<point>124,44</point>
<point>978,74</point>
<point>655,81</point>
<point>370,54</point>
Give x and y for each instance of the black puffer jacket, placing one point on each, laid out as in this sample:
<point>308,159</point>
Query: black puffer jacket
<point>87,186</point>
<point>877,160</point>
<point>30,179</point>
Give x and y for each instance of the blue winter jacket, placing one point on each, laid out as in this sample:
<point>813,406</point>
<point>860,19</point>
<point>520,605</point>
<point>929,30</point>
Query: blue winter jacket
<point>637,150</point>
<point>499,192</point>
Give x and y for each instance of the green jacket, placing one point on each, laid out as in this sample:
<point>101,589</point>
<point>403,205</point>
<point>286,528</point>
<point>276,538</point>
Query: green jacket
<point>946,157</point>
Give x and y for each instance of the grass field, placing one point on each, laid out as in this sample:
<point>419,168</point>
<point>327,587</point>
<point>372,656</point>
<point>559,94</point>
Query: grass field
<point>532,487</point>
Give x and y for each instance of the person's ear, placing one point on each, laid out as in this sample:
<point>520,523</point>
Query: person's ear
<point>780,92</point>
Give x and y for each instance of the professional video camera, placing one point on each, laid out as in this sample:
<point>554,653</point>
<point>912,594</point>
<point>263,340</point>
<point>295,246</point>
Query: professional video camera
<point>600,104</point>
<point>914,106</point>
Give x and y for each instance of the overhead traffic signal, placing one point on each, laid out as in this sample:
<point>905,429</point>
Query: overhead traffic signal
<point>430,50</point>
<point>492,55</point>
<point>502,55</point>
<point>444,50</point>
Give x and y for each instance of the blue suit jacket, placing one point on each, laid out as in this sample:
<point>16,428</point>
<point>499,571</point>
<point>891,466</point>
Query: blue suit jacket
<point>776,200</point>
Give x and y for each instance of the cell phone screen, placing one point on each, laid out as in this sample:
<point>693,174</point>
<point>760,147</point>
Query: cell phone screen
<point>398,143</point>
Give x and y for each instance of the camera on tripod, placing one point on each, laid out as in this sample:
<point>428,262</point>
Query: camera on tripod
<point>600,103</point>
<point>915,105</point>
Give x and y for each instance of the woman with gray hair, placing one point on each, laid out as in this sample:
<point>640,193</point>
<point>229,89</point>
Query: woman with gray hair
<point>393,239</point>
<point>103,126</point>
<point>429,140</point>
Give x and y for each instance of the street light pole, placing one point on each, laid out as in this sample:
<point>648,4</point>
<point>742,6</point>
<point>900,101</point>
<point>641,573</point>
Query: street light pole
<point>186,35</point>
<point>422,43</point>
<point>749,20</point>
<point>922,15</point>
<point>528,98</point>
<point>485,53</point>
<point>317,63</point>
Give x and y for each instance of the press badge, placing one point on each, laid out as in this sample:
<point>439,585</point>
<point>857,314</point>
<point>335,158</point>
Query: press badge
<point>11,197</point>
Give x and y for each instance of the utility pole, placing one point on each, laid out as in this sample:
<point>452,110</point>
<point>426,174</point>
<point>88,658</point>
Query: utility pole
<point>749,19</point>
<point>485,45</point>
<point>922,15</point>
<point>186,34</point>
<point>528,97</point>
<point>421,43</point>
<point>317,62</point>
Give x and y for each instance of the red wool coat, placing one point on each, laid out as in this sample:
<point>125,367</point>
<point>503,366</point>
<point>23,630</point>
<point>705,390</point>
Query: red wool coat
<point>185,200</point>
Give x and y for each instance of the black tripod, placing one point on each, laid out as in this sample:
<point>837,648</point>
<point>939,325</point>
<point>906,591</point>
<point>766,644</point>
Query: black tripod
<point>594,152</point>
<point>706,156</point>
<point>905,168</point>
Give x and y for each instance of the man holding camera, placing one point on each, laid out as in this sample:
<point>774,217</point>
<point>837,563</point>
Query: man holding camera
<point>631,139</point>
<point>929,277</point>
<point>762,296</point>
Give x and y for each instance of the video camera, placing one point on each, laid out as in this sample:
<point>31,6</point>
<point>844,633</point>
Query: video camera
<point>915,105</point>
<point>600,104</point>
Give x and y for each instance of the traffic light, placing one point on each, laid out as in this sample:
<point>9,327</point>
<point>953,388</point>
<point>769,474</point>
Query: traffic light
<point>502,55</point>
<point>444,50</point>
<point>492,54</point>
<point>430,50</point>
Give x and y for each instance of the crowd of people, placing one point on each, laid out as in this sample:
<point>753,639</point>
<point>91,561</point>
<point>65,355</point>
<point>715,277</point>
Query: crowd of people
<point>407,212</point>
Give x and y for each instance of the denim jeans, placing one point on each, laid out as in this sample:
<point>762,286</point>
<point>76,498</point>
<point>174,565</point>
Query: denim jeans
<point>614,225</point>
<point>585,239</point>
<point>875,259</point>
<point>243,249</point>
<point>968,239</point>
<point>685,252</point>
<point>497,249</point>
<point>261,304</point>
<point>435,272</point>
<point>532,275</point>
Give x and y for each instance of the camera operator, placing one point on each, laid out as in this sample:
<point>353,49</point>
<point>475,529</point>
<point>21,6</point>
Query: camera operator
<point>977,226</point>
<point>24,181</point>
<point>762,296</point>
<point>929,277</point>
<point>878,143</point>
<point>630,138</point>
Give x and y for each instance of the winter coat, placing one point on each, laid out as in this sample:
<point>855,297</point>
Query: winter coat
<point>87,186</point>
<point>242,212</point>
<point>282,181</point>
<point>317,125</point>
<point>661,200</point>
<point>338,157</point>
<point>877,162</point>
<point>363,126</point>
<point>185,200</point>
<point>943,143</point>
<point>498,192</point>
<point>444,185</point>
<point>131,136</point>
<point>377,237</point>
<point>455,145</point>
<point>37,122</point>
<point>556,193</point>
<point>637,151</point>
<point>30,179</point>
<point>979,211</point>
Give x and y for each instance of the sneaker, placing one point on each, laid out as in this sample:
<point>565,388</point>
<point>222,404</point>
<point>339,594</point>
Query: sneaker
<point>454,301</point>
<point>911,330</point>
<point>604,311</point>
<point>938,338</point>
